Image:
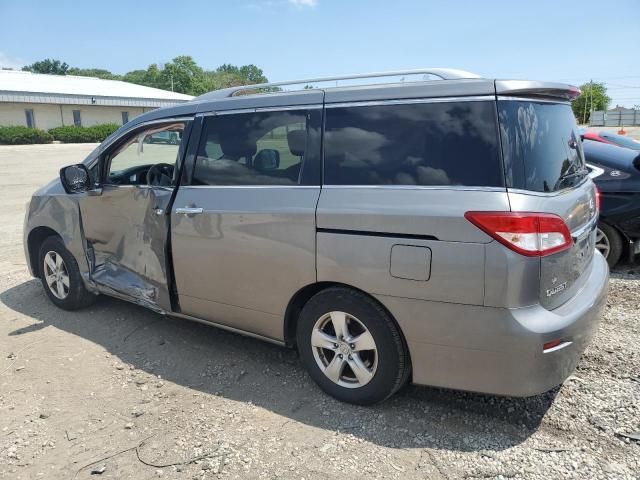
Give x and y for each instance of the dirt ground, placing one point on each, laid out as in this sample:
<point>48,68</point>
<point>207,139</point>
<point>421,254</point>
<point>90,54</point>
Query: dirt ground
<point>118,389</point>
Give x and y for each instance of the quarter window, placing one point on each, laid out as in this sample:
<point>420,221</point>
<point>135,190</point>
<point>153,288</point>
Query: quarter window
<point>449,143</point>
<point>257,148</point>
<point>541,145</point>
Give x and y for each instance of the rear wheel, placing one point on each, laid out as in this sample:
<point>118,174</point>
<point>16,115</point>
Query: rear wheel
<point>609,243</point>
<point>351,347</point>
<point>61,277</point>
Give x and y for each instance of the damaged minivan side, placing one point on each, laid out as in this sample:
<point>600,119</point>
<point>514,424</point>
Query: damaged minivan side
<point>436,231</point>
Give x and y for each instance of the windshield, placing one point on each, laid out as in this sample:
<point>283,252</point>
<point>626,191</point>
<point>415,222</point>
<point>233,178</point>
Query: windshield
<point>541,145</point>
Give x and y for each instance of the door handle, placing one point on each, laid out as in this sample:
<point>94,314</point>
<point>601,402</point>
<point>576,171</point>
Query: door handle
<point>189,210</point>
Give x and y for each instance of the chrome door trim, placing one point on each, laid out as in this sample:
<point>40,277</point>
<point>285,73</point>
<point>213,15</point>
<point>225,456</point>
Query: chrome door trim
<point>410,101</point>
<point>548,194</point>
<point>248,187</point>
<point>417,187</point>
<point>104,146</point>
<point>313,106</point>
<point>233,111</point>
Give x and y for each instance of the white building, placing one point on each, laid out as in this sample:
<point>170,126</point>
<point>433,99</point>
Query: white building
<point>47,101</point>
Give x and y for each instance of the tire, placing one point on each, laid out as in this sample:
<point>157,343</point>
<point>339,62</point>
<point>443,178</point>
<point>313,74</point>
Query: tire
<point>73,295</point>
<point>609,242</point>
<point>382,370</point>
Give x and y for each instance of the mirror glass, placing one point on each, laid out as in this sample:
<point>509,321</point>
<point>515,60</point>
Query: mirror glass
<point>75,178</point>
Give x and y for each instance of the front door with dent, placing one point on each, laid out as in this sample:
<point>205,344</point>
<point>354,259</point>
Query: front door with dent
<point>125,219</point>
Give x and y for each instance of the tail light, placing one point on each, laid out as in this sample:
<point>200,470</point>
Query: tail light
<point>530,234</point>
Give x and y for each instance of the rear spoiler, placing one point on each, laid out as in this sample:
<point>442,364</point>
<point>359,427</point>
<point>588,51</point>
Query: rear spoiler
<point>535,89</point>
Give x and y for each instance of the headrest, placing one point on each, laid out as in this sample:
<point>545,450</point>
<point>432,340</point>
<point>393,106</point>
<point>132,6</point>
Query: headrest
<point>234,147</point>
<point>297,140</point>
<point>266,159</point>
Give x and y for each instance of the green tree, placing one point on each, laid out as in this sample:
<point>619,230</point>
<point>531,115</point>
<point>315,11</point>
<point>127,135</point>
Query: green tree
<point>183,75</point>
<point>48,65</point>
<point>228,75</point>
<point>593,97</point>
<point>93,72</point>
<point>149,77</point>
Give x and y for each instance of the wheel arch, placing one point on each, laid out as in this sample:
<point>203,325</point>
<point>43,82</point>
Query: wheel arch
<point>34,240</point>
<point>302,296</point>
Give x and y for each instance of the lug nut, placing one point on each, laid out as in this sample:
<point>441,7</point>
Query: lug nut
<point>335,345</point>
<point>350,357</point>
<point>353,345</point>
<point>340,355</point>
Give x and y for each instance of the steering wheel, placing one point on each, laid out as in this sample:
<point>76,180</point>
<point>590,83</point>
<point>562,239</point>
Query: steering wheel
<point>160,174</point>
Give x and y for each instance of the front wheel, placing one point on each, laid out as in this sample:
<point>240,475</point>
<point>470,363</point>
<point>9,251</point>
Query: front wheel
<point>61,276</point>
<point>351,347</point>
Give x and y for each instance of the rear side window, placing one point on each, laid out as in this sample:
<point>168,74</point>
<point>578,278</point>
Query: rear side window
<point>441,143</point>
<point>259,148</point>
<point>541,145</point>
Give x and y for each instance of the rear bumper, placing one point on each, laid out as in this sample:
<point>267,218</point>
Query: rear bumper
<point>499,350</point>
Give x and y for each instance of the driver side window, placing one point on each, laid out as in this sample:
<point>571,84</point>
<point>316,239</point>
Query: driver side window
<point>147,157</point>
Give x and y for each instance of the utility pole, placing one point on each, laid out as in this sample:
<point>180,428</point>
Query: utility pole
<point>584,114</point>
<point>591,95</point>
<point>171,82</point>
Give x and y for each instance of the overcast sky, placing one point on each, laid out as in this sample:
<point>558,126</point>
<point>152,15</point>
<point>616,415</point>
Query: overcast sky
<point>571,41</point>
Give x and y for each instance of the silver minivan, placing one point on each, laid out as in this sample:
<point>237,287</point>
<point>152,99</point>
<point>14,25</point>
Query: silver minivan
<point>439,231</point>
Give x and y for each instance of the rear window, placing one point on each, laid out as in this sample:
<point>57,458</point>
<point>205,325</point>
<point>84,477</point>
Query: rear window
<point>541,145</point>
<point>442,143</point>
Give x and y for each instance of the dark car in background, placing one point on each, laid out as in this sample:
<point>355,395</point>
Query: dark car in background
<point>613,139</point>
<point>616,172</point>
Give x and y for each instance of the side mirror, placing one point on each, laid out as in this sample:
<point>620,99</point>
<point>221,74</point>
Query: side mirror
<point>266,159</point>
<point>75,178</point>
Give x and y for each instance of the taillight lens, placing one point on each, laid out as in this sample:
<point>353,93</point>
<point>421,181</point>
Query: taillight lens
<point>530,234</point>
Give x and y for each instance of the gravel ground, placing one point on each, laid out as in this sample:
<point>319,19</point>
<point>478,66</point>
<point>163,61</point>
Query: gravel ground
<point>118,389</point>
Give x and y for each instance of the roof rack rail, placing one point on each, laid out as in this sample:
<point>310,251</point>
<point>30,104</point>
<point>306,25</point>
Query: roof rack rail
<point>443,73</point>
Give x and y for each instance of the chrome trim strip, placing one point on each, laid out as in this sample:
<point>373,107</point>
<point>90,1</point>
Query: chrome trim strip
<point>259,109</point>
<point>140,187</point>
<point>547,194</point>
<point>587,227</point>
<point>231,111</point>
<point>248,187</point>
<point>188,210</point>
<point>313,106</point>
<point>104,145</point>
<point>595,171</point>
<point>417,187</point>
<point>534,99</point>
<point>225,327</point>
<point>409,101</point>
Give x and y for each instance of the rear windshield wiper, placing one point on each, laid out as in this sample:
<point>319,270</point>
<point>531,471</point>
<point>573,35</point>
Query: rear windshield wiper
<point>566,176</point>
<point>577,173</point>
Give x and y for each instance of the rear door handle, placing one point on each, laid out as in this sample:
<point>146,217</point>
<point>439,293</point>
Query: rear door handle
<point>189,210</point>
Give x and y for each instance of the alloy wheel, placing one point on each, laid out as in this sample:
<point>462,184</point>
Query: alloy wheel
<point>344,349</point>
<point>602,243</point>
<point>56,275</point>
